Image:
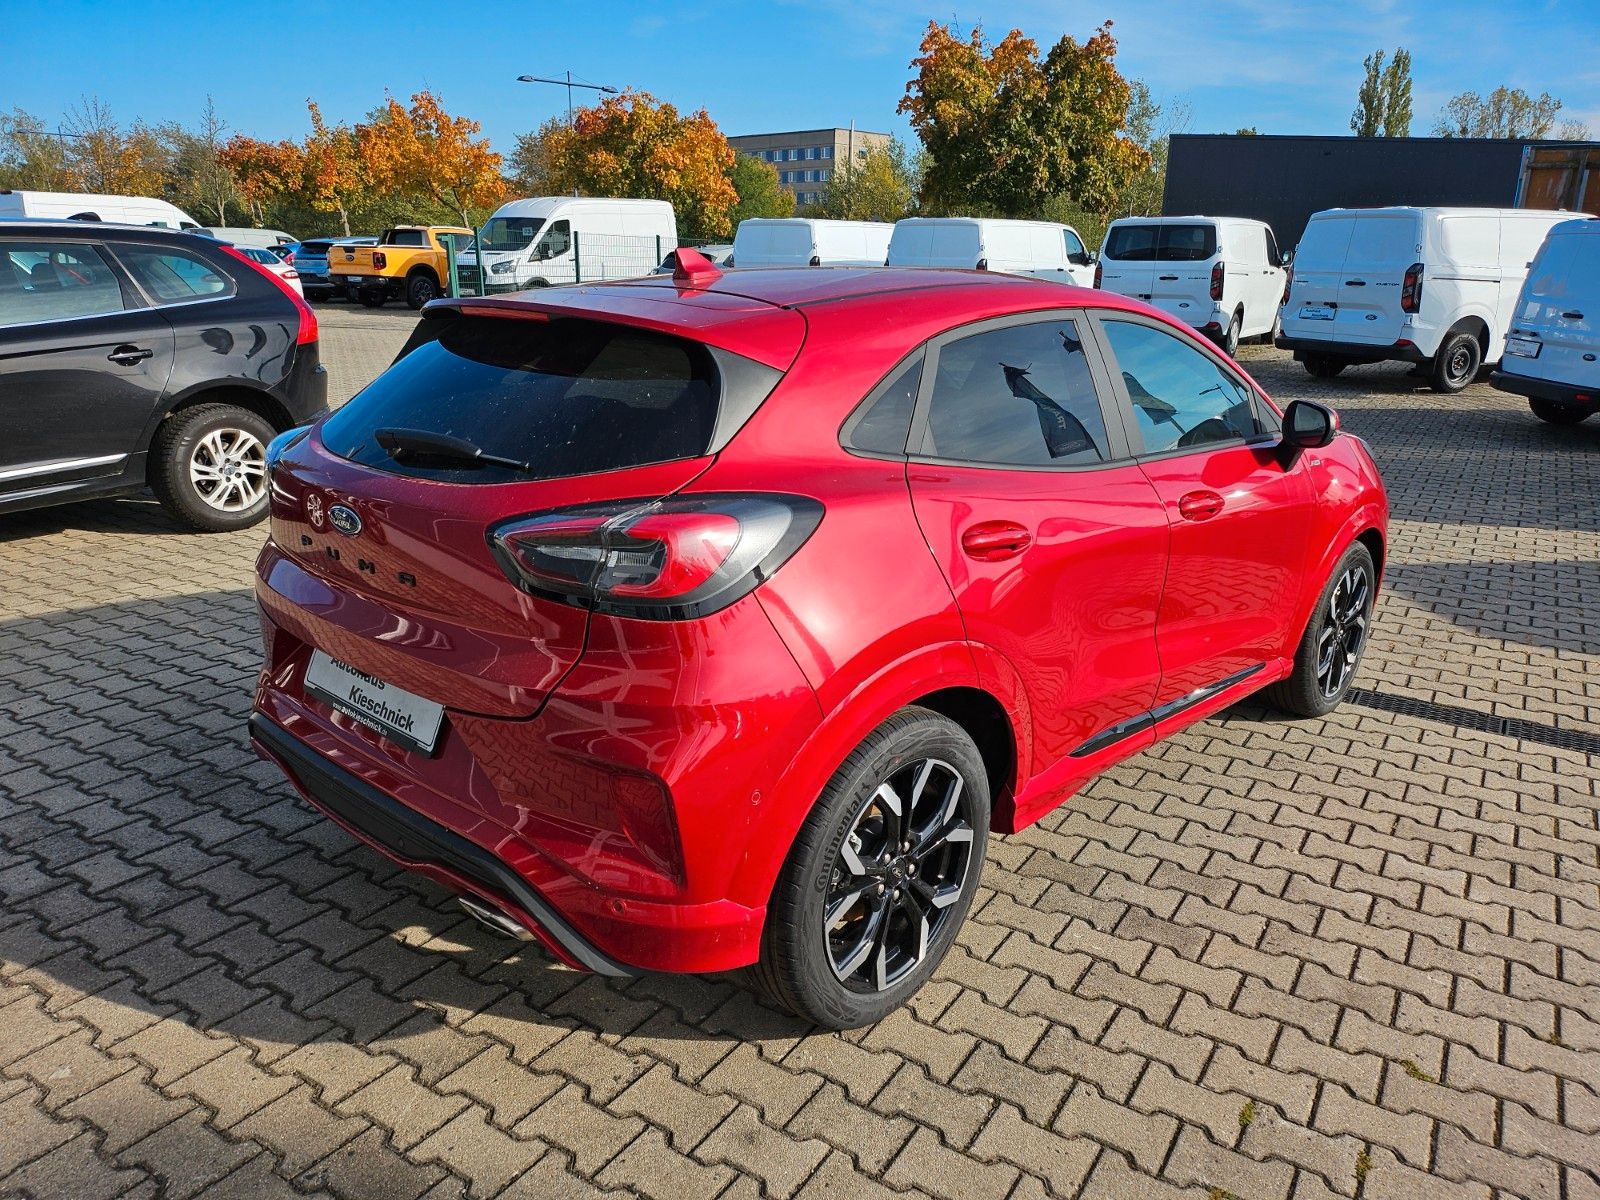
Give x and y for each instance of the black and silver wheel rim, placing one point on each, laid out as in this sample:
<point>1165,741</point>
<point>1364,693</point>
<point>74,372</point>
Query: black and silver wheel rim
<point>228,470</point>
<point>894,884</point>
<point>1461,363</point>
<point>1344,631</point>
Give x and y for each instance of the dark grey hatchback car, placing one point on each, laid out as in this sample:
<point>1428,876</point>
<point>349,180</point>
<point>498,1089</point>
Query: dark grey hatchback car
<point>133,356</point>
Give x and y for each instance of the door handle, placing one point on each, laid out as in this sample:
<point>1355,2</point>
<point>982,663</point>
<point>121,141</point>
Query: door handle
<point>994,541</point>
<point>1355,283</point>
<point>1572,316</point>
<point>126,356</point>
<point>1199,506</point>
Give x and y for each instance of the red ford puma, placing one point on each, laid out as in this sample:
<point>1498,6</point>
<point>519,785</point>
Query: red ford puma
<point>705,620</point>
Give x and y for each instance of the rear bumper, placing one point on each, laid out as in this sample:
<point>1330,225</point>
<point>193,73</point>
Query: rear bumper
<point>1355,352</point>
<point>1565,394</point>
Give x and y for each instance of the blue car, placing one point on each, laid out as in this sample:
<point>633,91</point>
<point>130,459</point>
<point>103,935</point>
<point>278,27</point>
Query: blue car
<point>311,260</point>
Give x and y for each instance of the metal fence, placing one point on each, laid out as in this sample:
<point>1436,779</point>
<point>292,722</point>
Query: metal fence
<point>555,258</point>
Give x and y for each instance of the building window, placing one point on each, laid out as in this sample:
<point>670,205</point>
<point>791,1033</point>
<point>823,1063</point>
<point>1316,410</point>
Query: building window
<point>811,153</point>
<point>824,176</point>
<point>827,152</point>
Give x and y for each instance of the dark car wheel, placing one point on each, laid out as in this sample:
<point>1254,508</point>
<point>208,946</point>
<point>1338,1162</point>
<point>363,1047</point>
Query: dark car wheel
<point>1325,366</point>
<point>1557,414</point>
<point>1330,649</point>
<point>881,875</point>
<point>420,289</point>
<point>1457,363</point>
<point>372,297</point>
<point>208,466</point>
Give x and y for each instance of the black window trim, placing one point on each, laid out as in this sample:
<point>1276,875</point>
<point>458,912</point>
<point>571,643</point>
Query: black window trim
<point>1265,414</point>
<point>857,414</point>
<point>150,301</point>
<point>1118,445</point>
<point>133,300</point>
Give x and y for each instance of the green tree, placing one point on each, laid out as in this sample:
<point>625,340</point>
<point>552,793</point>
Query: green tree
<point>1503,113</point>
<point>1004,129</point>
<point>31,156</point>
<point>1383,105</point>
<point>760,194</point>
<point>882,186</point>
<point>1247,131</point>
<point>201,182</point>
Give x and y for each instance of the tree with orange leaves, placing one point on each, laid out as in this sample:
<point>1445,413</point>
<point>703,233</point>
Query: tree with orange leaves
<point>424,151</point>
<point>263,172</point>
<point>632,144</point>
<point>1005,130</point>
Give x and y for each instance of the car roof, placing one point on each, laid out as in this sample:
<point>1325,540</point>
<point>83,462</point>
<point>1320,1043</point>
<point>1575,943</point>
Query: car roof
<point>65,225</point>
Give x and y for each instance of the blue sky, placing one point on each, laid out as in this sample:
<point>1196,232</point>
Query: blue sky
<point>1283,67</point>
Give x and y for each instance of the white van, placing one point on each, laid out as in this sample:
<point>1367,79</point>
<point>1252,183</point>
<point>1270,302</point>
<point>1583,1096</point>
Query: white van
<point>88,206</point>
<point>240,235</point>
<point>1040,248</point>
<point>1221,275</point>
<point>1553,345</point>
<point>801,242</point>
<point>569,239</point>
<point>1431,286</point>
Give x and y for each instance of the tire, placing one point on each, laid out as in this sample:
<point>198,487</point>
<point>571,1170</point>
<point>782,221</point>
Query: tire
<point>1557,414</point>
<point>1324,366</point>
<point>190,458</point>
<point>372,297</point>
<point>1307,691</point>
<point>1229,341</point>
<point>846,977</point>
<point>1456,364</point>
<point>421,288</point>
<point>1277,327</point>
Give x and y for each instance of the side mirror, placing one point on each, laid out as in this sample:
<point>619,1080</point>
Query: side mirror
<point>1306,426</point>
<point>1286,258</point>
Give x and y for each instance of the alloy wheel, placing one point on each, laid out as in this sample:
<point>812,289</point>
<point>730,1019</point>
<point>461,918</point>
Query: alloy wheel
<point>1344,631</point>
<point>901,868</point>
<point>229,469</point>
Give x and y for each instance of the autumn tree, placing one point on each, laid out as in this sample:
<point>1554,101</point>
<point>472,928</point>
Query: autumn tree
<point>424,152</point>
<point>1149,126</point>
<point>200,180</point>
<point>1383,103</point>
<point>264,173</point>
<point>336,174</point>
<point>31,156</point>
<point>759,193</point>
<point>881,186</point>
<point>1005,129</point>
<point>632,144</point>
<point>1503,113</point>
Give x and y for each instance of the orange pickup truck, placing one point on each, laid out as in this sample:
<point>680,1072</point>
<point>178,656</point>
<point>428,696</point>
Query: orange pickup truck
<point>409,261</point>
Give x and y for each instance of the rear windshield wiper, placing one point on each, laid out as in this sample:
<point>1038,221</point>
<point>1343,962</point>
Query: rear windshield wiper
<point>425,444</point>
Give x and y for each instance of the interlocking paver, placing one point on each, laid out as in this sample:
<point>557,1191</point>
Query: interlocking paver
<point>1251,959</point>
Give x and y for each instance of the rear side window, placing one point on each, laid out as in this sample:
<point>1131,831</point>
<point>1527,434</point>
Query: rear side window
<point>1017,396</point>
<point>884,422</point>
<point>1162,243</point>
<point>54,281</point>
<point>409,237</point>
<point>564,397</point>
<point>172,276</point>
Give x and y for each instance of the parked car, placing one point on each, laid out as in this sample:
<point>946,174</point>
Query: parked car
<point>549,240</point>
<point>1553,348</point>
<point>718,255</point>
<point>243,235</point>
<point>92,206</point>
<point>804,242</point>
<point>688,623</point>
<point>274,263</point>
<point>311,260</point>
<point>1430,286</point>
<point>133,356</point>
<point>1220,275</point>
<point>1040,248</point>
<point>409,261</point>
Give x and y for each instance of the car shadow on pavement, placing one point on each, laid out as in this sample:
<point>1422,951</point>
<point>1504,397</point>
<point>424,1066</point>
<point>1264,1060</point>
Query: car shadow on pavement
<point>133,514</point>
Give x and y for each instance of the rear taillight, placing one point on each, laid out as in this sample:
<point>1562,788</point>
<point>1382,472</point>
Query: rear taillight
<point>1288,282</point>
<point>672,559</point>
<point>1099,274</point>
<point>380,260</point>
<point>1411,289</point>
<point>291,274</point>
<point>1216,281</point>
<point>289,257</point>
<point>308,319</point>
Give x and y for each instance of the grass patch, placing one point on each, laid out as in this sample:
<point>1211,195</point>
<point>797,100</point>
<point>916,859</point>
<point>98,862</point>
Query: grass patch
<point>1363,1165</point>
<point>1218,1193</point>
<point>1416,1072</point>
<point>1247,1114</point>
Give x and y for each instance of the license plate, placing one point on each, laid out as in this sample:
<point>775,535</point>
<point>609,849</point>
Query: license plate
<point>1316,312</point>
<point>394,712</point>
<point>1523,347</point>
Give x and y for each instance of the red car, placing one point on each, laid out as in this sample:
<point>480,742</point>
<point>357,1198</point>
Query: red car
<point>706,620</point>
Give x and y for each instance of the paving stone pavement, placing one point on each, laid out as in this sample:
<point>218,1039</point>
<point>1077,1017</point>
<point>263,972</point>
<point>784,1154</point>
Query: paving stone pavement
<point>1347,957</point>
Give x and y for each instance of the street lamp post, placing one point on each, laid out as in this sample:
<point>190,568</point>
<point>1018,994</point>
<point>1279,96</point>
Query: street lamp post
<point>569,84</point>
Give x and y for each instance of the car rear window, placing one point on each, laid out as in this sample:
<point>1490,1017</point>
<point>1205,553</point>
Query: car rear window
<point>563,396</point>
<point>1162,243</point>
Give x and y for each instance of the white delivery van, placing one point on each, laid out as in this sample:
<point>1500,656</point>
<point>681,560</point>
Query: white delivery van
<point>1431,286</point>
<point>1553,342</point>
<point>240,235</point>
<point>549,240</point>
<point>802,242</point>
<point>88,206</point>
<point>1221,275</point>
<point>1040,248</point>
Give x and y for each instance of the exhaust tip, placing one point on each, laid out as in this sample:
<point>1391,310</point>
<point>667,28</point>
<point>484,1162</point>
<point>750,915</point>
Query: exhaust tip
<point>493,918</point>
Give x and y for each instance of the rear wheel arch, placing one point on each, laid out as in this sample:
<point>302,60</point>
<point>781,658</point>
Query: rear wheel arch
<point>986,722</point>
<point>263,404</point>
<point>423,269</point>
<point>1373,541</point>
<point>1475,325</point>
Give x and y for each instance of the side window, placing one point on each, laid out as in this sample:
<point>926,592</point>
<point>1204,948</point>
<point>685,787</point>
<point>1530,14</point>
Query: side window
<point>1074,243</point>
<point>883,423</point>
<point>557,240</point>
<point>409,237</point>
<point>172,276</point>
<point>54,281</point>
<point>1020,396</point>
<point>1272,247</point>
<point>1180,396</point>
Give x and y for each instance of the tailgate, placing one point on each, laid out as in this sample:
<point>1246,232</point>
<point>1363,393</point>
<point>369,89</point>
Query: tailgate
<point>1127,278</point>
<point>1318,279</point>
<point>351,260</point>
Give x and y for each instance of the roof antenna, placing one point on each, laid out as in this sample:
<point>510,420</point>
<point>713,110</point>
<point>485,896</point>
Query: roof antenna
<point>692,269</point>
